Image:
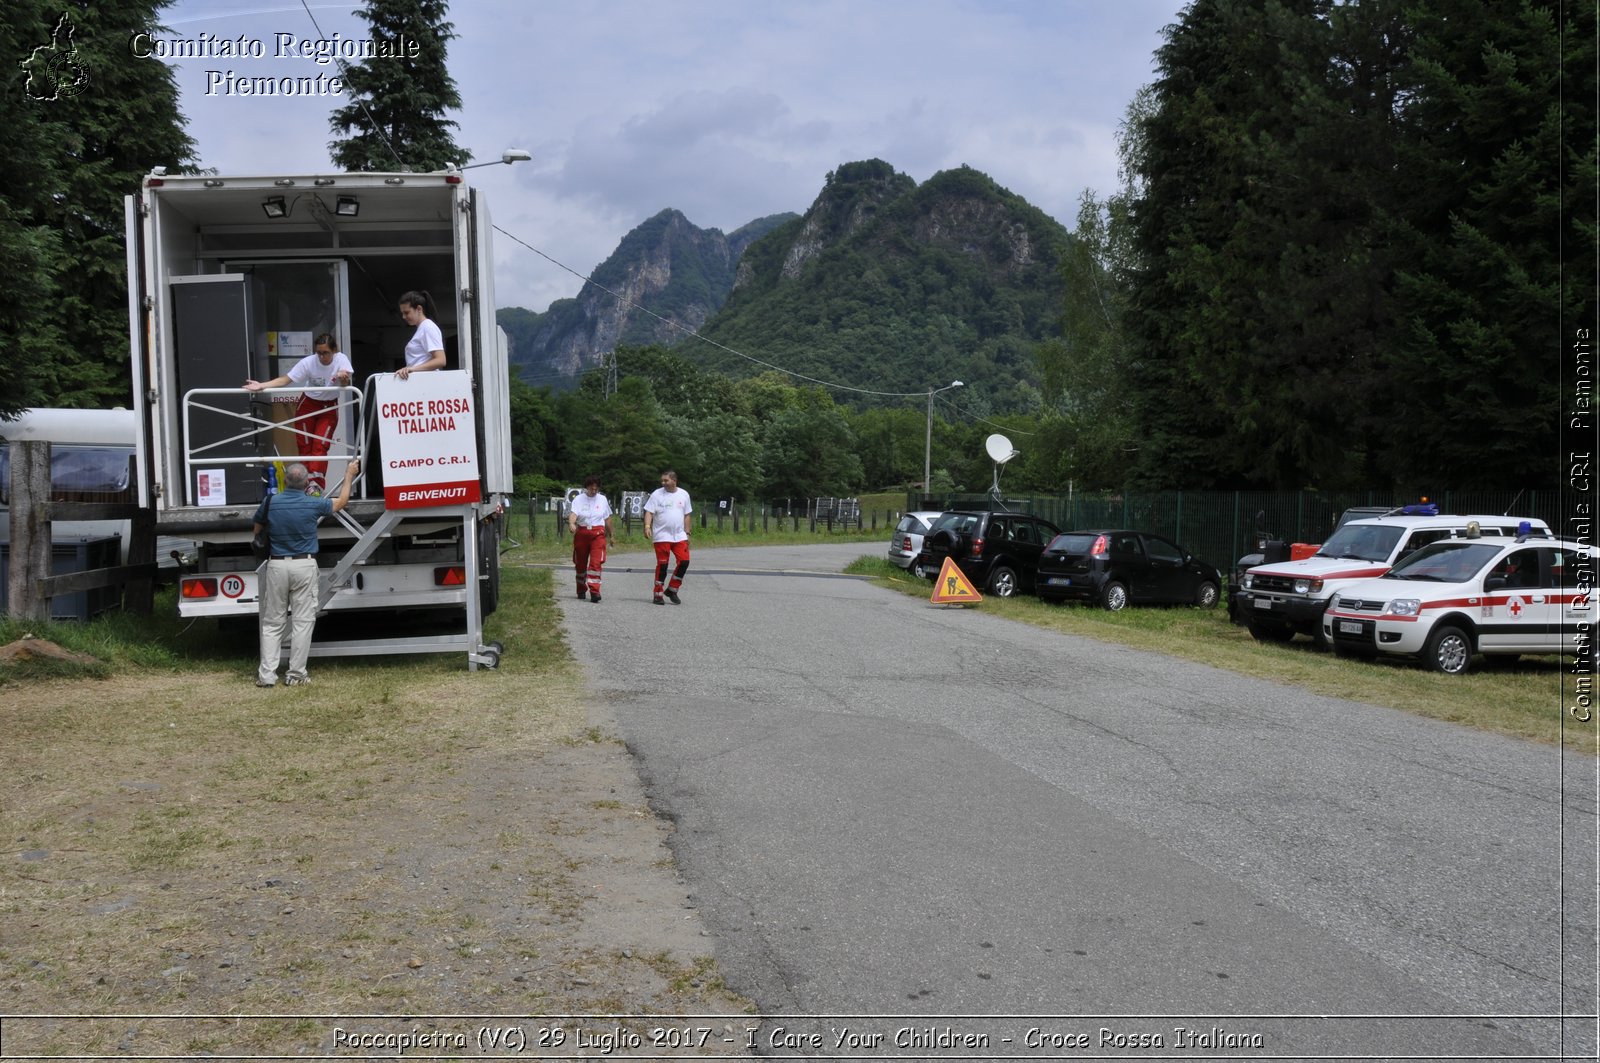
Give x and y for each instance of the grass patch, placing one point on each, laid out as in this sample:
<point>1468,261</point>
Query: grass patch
<point>1523,700</point>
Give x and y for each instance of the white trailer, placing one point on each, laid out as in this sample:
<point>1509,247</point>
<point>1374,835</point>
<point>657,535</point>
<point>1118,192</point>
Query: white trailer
<point>228,280</point>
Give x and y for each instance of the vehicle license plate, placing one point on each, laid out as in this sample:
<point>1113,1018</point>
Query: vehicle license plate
<point>1059,581</point>
<point>1350,627</point>
<point>1263,603</point>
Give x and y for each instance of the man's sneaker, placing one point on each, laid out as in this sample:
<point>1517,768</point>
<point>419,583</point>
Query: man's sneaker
<point>594,597</point>
<point>659,600</point>
<point>582,594</point>
<point>672,596</point>
<point>266,683</point>
<point>297,681</point>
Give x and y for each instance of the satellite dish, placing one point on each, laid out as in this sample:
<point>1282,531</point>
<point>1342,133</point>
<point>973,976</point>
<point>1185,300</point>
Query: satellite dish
<point>1000,449</point>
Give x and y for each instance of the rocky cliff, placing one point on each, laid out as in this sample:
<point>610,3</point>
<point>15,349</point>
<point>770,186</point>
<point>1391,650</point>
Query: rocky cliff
<point>666,277</point>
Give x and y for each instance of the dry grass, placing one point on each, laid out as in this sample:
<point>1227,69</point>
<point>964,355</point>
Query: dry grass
<point>403,837</point>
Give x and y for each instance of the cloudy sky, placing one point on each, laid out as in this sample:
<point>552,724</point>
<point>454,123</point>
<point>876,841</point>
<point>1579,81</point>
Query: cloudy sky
<point>727,110</point>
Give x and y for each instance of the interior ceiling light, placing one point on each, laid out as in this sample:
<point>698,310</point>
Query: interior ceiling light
<point>347,206</point>
<point>275,207</point>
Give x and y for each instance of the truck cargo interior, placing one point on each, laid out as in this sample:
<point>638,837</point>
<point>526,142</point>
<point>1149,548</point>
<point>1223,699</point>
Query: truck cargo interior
<point>249,296</point>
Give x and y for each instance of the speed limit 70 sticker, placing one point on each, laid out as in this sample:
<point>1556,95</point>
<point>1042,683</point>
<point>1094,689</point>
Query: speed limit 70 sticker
<point>232,586</point>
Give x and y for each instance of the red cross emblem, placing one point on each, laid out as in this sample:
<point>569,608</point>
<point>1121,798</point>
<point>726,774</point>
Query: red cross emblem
<point>1514,607</point>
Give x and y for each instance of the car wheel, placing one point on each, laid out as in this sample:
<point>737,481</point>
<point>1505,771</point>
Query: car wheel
<point>1114,596</point>
<point>1265,632</point>
<point>920,570</point>
<point>1206,597</point>
<point>1003,581</point>
<point>1449,650</point>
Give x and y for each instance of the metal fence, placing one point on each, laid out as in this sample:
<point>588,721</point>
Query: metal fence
<point>1219,526</point>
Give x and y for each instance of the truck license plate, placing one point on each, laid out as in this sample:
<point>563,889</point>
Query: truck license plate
<point>1350,627</point>
<point>1263,603</point>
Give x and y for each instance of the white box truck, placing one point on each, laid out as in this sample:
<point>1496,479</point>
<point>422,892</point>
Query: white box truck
<point>225,274</point>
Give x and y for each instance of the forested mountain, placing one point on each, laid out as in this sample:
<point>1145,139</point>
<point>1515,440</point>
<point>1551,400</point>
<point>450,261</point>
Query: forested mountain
<point>888,285</point>
<point>667,265</point>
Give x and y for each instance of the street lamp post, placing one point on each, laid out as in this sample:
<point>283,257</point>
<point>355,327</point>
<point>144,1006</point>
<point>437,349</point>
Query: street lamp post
<point>927,446</point>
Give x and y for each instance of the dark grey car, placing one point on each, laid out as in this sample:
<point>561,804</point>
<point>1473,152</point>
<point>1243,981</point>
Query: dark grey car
<point>1118,567</point>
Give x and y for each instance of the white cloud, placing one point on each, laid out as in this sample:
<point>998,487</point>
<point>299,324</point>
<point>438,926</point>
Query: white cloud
<point>723,109</point>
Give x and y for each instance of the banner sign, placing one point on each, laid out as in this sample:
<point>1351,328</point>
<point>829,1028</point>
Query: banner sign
<point>428,440</point>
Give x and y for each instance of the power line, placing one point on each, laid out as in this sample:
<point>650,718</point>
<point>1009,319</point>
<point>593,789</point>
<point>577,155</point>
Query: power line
<point>345,70</point>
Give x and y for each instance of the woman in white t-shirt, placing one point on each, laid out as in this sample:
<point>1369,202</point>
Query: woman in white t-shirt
<point>425,349</point>
<point>316,418</point>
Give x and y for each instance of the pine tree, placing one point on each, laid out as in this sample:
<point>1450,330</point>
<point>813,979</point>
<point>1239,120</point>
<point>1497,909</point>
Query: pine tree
<point>1478,353</point>
<point>85,121</point>
<point>398,102</point>
<point>1259,298</point>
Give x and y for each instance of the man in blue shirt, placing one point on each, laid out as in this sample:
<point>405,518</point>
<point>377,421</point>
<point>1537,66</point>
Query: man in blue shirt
<point>288,578</point>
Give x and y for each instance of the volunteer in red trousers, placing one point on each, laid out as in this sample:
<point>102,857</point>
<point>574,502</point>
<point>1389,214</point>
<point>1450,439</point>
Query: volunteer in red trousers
<point>318,413</point>
<point>666,525</point>
<point>589,517</point>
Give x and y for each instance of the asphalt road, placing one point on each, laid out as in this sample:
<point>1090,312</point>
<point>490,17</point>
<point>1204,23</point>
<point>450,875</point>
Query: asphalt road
<point>886,808</point>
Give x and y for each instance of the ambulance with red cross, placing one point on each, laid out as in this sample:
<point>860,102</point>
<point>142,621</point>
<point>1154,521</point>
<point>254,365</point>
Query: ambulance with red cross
<point>1495,595</point>
<point>1279,599</point>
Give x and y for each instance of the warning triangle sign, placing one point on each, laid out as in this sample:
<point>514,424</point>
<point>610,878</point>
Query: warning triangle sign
<point>952,587</point>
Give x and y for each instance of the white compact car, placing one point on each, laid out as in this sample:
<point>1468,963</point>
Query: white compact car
<point>906,542</point>
<point>1495,595</point>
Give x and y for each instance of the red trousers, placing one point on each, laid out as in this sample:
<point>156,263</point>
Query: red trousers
<point>588,556</point>
<point>664,552</point>
<point>313,438</point>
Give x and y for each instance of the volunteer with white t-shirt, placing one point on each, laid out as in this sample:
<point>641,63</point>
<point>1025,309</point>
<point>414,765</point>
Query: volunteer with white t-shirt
<point>589,517</point>
<point>666,524</point>
<point>425,349</point>
<point>321,374</point>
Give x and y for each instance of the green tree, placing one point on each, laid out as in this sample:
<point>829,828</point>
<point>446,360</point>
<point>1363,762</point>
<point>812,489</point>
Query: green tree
<point>1482,234</point>
<point>395,119</point>
<point>808,451</point>
<point>85,121</point>
<point>1088,375</point>
<point>624,439</point>
<point>1259,296</point>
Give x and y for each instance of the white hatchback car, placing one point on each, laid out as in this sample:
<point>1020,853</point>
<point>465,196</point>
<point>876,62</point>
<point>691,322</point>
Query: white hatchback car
<point>906,543</point>
<point>1495,595</point>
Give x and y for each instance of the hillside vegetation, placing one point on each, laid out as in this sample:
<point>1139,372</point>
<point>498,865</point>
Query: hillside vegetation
<point>888,285</point>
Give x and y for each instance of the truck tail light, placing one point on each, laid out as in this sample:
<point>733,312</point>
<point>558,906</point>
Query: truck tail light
<point>199,587</point>
<point>450,576</point>
<point>977,548</point>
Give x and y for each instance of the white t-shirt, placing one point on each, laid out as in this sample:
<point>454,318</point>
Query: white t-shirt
<point>671,515</point>
<point>424,342</point>
<point>591,512</point>
<point>311,374</point>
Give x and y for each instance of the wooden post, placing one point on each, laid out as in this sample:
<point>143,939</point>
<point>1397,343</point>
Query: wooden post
<point>30,530</point>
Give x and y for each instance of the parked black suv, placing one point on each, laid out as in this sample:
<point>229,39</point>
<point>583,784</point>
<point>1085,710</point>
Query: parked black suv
<point>999,552</point>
